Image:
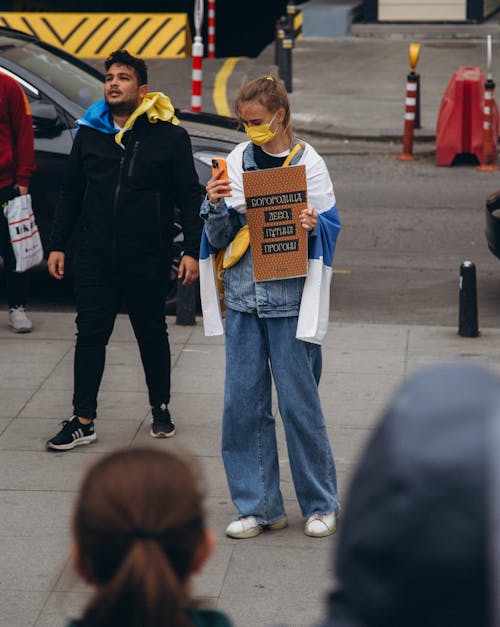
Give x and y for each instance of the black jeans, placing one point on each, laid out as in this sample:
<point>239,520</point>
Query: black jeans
<point>101,290</point>
<point>16,283</point>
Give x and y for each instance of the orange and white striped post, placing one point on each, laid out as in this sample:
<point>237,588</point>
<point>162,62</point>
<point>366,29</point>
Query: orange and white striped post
<point>489,153</point>
<point>197,68</point>
<point>410,106</point>
<point>211,29</point>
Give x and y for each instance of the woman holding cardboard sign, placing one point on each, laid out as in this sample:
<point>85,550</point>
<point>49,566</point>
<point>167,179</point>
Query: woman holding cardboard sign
<point>273,327</point>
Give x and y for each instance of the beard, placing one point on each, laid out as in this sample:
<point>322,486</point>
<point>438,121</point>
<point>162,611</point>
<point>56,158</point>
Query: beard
<point>122,108</point>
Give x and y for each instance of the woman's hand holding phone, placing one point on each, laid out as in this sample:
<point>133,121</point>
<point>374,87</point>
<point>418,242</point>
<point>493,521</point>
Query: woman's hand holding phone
<point>219,186</point>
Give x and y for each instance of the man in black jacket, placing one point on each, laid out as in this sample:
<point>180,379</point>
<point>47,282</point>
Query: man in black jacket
<point>129,167</point>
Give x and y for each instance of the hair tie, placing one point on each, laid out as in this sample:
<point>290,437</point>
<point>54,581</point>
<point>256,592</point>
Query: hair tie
<point>269,78</point>
<point>143,534</point>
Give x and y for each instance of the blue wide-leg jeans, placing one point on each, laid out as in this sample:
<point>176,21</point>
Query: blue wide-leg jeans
<point>257,348</point>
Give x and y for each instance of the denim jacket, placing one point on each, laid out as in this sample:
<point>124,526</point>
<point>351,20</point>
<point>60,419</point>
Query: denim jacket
<point>268,299</point>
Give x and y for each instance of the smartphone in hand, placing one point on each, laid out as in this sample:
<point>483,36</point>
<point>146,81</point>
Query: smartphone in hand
<point>219,165</point>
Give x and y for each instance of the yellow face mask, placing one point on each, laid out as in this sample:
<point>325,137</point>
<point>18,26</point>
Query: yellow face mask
<point>261,134</point>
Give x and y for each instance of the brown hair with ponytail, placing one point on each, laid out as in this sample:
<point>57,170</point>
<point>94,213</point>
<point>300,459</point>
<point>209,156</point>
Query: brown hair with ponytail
<point>270,92</point>
<point>138,523</point>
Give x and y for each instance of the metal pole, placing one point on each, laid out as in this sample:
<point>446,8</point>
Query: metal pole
<point>211,29</point>
<point>197,71</point>
<point>489,153</point>
<point>467,316</point>
<point>286,55</point>
<point>410,105</point>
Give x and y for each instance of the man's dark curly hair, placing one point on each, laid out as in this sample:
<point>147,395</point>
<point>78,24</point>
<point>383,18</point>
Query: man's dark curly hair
<point>123,57</point>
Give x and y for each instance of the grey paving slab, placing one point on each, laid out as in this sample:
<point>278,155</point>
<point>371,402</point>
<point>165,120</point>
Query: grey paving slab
<point>201,436</point>
<point>365,361</point>
<point>53,325</point>
<point>199,369</point>
<point>364,393</point>
<point>48,471</point>
<point>381,337</point>
<point>29,564</point>
<point>31,434</point>
<point>198,336</point>
<point>269,599</point>
<point>56,404</point>
<point>19,608</point>
<point>450,343</point>
<point>12,401</point>
<point>60,608</point>
<point>30,513</point>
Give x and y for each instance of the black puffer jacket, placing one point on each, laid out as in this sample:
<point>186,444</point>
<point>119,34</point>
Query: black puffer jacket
<point>128,196</point>
<point>416,541</point>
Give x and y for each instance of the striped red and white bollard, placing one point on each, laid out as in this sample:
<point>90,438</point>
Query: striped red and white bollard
<point>410,108</point>
<point>211,29</point>
<point>197,74</point>
<point>489,156</point>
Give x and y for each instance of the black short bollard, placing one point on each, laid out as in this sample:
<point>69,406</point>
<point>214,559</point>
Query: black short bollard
<point>467,315</point>
<point>185,304</point>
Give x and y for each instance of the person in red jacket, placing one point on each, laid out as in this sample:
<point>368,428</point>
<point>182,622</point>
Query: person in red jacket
<point>17,162</point>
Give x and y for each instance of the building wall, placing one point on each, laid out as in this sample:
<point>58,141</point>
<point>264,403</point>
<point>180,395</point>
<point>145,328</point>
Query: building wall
<point>423,10</point>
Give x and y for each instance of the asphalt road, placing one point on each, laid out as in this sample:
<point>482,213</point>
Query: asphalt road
<point>407,227</point>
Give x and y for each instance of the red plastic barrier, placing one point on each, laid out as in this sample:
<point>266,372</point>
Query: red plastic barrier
<point>461,117</point>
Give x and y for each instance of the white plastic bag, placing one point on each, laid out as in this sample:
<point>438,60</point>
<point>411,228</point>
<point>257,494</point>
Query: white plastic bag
<point>24,235</point>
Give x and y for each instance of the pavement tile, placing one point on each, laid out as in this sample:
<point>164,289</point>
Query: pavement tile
<point>254,599</point>
<point>20,608</point>
<point>48,471</point>
<point>57,405</point>
<point>60,608</point>
<point>36,514</point>
<point>381,337</point>
<point>363,362</point>
<point>31,434</point>
<point>12,401</point>
<point>29,564</point>
<point>365,393</point>
<point>208,364</point>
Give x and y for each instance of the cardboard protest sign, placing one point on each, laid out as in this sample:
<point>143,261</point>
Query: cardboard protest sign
<point>275,197</point>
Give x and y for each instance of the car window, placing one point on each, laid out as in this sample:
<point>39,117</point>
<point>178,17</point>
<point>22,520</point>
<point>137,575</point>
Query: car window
<point>69,79</point>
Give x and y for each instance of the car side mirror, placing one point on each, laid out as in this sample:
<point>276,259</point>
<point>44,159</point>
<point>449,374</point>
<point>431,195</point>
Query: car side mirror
<point>45,118</point>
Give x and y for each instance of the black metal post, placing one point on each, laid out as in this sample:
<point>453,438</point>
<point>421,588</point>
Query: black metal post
<point>285,68</point>
<point>467,316</point>
<point>185,305</point>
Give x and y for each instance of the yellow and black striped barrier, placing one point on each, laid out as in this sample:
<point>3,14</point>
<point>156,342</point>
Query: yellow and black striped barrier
<point>95,35</point>
<point>297,21</point>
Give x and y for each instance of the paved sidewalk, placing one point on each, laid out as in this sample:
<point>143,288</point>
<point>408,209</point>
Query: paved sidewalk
<point>279,577</point>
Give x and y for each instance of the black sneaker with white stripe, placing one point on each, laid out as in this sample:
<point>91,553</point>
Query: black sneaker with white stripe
<point>73,433</point>
<point>161,424</point>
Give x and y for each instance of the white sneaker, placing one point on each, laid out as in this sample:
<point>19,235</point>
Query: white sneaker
<point>19,321</point>
<point>321,525</point>
<point>248,527</point>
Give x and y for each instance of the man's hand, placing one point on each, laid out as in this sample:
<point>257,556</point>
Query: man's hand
<point>23,190</point>
<point>55,264</point>
<point>188,269</point>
